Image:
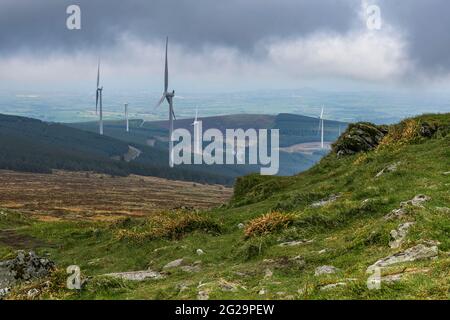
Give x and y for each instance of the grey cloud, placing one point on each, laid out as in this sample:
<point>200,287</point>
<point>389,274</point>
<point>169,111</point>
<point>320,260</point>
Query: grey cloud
<point>40,25</point>
<point>426,26</point>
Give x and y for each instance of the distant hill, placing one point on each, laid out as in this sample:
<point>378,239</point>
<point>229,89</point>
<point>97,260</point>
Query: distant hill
<point>35,146</point>
<point>294,129</point>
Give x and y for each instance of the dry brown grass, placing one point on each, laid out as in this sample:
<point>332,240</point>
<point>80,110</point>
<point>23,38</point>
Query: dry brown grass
<point>406,132</point>
<point>268,223</point>
<point>172,226</point>
<point>76,195</point>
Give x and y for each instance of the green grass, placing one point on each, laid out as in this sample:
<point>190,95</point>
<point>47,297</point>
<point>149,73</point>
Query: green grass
<point>352,231</point>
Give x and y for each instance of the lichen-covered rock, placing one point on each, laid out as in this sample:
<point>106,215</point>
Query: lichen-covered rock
<point>24,267</point>
<point>419,252</point>
<point>427,130</point>
<point>325,270</point>
<point>359,137</point>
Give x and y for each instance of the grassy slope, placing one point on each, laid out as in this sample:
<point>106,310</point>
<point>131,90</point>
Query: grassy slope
<point>354,235</point>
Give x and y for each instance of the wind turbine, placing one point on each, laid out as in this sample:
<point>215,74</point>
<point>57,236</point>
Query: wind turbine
<point>126,118</point>
<point>169,97</point>
<point>196,125</point>
<point>99,100</point>
<point>321,125</point>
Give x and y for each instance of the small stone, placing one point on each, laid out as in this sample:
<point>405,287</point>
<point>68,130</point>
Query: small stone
<point>200,252</point>
<point>396,214</point>
<point>298,260</point>
<point>325,270</point>
<point>203,295</point>
<point>333,286</point>
<point>174,264</point>
<point>4,292</point>
<point>326,201</point>
<point>191,269</point>
<point>294,243</point>
<point>446,173</point>
<point>137,275</point>
<point>400,234</point>
<point>417,201</point>
<point>228,286</point>
<point>33,293</point>
<point>240,226</point>
<point>391,168</point>
<point>268,274</point>
<point>322,251</point>
<point>262,292</point>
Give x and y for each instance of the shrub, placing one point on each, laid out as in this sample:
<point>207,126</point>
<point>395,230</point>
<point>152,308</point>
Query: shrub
<point>171,226</point>
<point>268,223</point>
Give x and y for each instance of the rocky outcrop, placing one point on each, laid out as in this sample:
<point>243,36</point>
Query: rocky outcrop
<point>417,201</point>
<point>359,137</point>
<point>24,267</point>
<point>427,130</point>
<point>419,252</point>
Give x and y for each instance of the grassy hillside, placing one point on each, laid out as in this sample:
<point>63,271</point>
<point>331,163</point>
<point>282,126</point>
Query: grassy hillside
<point>332,215</point>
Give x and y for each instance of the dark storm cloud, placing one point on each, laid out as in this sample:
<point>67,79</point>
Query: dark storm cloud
<point>39,25</point>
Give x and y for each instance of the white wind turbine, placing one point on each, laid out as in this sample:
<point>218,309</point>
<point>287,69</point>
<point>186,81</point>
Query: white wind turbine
<point>126,118</point>
<point>169,97</point>
<point>321,128</point>
<point>99,100</point>
<point>196,125</point>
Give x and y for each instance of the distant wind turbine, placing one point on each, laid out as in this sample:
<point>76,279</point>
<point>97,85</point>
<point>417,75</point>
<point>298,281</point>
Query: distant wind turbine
<point>169,97</point>
<point>126,118</point>
<point>321,125</point>
<point>99,100</point>
<point>196,125</point>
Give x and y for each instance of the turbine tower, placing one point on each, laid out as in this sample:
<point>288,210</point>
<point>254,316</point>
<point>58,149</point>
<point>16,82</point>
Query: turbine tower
<point>126,118</point>
<point>169,97</point>
<point>99,100</point>
<point>197,142</point>
<point>321,125</point>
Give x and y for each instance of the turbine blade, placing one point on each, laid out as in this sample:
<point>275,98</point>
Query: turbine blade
<point>98,74</point>
<point>143,121</point>
<point>321,114</point>
<point>173,114</point>
<point>166,71</point>
<point>160,102</point>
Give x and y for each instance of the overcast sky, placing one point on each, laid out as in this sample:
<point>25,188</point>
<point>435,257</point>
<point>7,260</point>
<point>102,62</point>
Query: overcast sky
<point>225,45</point>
